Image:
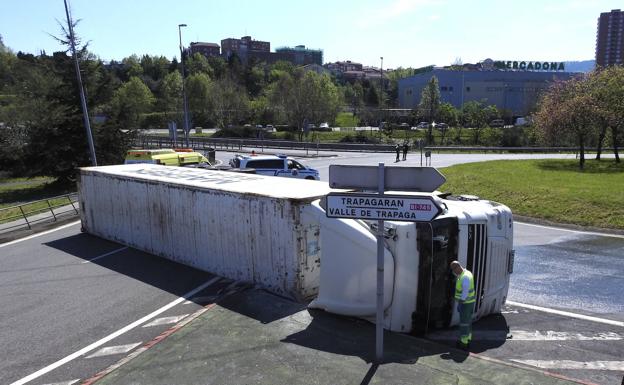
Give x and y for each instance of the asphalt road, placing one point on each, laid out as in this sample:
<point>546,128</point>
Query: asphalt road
<point>55,302</point>
<point>66,295</point>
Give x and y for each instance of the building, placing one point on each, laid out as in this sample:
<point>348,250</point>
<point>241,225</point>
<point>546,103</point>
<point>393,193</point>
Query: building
<point>340,67</point>
<point>206,49</point>
<point>244,48</point>
<point>610,39</point>
<point>300,55</point>
<point>510,89</point>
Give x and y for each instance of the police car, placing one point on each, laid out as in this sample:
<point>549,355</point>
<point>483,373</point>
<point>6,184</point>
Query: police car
<point>275,165</point>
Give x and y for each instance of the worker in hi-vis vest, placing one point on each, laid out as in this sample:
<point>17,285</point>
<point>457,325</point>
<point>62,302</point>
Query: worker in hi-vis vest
<point>465,298</point>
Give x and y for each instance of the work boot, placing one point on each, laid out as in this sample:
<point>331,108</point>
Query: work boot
<point>462,346</point>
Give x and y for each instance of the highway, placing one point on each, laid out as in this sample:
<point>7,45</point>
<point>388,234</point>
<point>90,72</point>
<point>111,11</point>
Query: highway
<point>73,304</point>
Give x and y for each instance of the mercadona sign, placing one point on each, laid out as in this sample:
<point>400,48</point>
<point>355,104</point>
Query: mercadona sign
<point>529,65</point>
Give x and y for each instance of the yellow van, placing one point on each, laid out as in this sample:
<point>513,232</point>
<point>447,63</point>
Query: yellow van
<point>166,157</point>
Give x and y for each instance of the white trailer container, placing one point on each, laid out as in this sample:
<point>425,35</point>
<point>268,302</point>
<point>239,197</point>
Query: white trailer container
<point>241,226</point>
<point>273,232</point>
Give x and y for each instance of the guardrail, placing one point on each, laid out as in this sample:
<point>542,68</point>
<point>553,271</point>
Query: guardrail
<point>147,141</point>
<point>30,213</point>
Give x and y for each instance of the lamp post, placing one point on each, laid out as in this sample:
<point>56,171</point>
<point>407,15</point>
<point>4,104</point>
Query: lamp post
<point>186,122</point>
<point>83,100</point>
<point>381,88</point>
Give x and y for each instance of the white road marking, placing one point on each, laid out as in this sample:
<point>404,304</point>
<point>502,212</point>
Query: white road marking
<point>70,382</point>
<point>524,335</point>
<point>567,364</point>
<point>116,334</point>
<point>113,350</point>
<point>570,230</point>
<point>39,234</point>
<point>107,254</point>
<point>166,320</point>
<point>568,314</point>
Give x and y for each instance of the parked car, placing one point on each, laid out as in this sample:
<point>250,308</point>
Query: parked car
<point>270,128</point>
<point>423,125</point>
<point>403,126</point>
<point>442,126</point>
<point>324,126</point>
<point>275,165</point>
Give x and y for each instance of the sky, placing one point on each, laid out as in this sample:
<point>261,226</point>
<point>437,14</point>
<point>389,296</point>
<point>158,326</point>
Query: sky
<point>406,33</point>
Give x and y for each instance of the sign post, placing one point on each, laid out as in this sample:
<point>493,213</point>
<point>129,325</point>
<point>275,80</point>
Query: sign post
<point>381,207</point>
<point>380,272</point>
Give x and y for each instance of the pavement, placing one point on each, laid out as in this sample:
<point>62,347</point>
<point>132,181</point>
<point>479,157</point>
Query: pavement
<point>253,337</point>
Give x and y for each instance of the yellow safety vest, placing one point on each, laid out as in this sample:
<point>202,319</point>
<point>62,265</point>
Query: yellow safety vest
<point>458,287</point>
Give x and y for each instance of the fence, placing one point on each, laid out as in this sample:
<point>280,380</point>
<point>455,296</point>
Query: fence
<point>149,141</point>
<point>27,214</point>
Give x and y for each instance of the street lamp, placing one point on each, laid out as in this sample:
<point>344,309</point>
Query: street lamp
<point>186,122</point>
<point>381,92</point>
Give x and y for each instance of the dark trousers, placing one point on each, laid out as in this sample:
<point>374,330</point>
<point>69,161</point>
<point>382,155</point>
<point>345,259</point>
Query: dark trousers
<point>465,322</point>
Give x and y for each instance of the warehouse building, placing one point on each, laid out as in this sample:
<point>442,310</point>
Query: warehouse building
<point>510,85</point>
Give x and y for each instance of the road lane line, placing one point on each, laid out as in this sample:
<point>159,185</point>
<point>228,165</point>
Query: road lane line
<point>39,234</point>
<point>617,366</point>
<point>116,334</point>
<point>70,382</point>
<point>525,335</point>
<point>166,320</point>
<point>106,255</point>
<point>114,350</point>
<point>568,314</point>
<point>570,230</point>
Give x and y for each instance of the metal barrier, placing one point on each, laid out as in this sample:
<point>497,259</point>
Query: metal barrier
<point>204,143</point>
<point>37,211</point>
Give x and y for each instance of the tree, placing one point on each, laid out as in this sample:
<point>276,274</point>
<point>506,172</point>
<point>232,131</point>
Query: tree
<point>198,64</point>
<point>448,114</point>
<point>608,90</point>
<point>198,94</point>
<point>306,96</point>
<point>131,67</point>
<point>170,92</point>
<point>130,101</point>
<point>229,102</point>
<point>567,109</point>
<point>430,103</point>
<point>473,116</point>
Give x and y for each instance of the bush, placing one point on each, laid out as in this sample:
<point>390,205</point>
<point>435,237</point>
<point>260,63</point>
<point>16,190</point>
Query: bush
<point>241,132</point>
<point>360,137</point>
<point>158,120</point>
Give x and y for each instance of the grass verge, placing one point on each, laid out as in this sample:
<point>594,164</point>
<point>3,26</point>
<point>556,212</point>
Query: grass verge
<point>15,191</point>
<point>555,190</point>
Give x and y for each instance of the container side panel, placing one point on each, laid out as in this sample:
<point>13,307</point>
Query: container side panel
<point>140,217</point>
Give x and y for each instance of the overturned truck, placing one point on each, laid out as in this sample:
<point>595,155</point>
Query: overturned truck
<point>274,232</point>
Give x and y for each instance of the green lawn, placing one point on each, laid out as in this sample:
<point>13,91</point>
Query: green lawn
<point>555,190</point>
<point>15,191</point>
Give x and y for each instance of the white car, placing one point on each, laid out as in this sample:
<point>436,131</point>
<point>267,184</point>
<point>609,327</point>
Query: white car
<point>275,165</point>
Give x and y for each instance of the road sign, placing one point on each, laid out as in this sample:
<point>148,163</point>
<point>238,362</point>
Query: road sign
<point>412,208</point>
<point>424,179</point>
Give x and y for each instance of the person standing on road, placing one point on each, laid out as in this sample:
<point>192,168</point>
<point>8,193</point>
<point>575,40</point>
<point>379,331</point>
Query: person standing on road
<point>398,151</point>
<point>405,149</point>
<point>465,298</point>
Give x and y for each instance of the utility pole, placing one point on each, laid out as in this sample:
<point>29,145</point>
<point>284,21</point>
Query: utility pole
<point>83,100</point>
<point>186,122</point>
<point>381,91</point>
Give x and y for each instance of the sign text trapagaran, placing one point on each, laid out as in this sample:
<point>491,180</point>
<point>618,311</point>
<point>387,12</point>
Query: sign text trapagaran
<point>382,207</point>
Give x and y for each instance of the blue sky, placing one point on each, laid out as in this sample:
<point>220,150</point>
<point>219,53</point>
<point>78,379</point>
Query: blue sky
<point>405,32</point>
